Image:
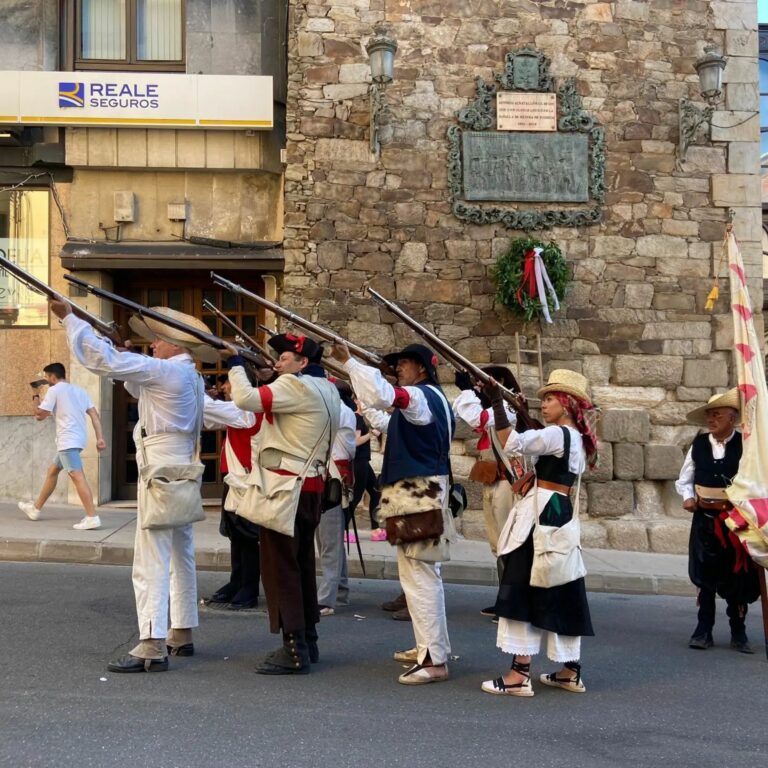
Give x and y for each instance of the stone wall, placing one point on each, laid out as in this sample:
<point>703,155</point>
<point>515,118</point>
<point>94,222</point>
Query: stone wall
<point>634,319</point>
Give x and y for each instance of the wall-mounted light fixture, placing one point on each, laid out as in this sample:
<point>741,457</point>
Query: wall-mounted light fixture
<point>709,68</point>
<point>381,51</point>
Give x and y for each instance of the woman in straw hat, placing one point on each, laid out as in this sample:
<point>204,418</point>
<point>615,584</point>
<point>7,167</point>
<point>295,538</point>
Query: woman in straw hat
<point>717,562</point>
<point>561,452</point>
<point>170,395</point>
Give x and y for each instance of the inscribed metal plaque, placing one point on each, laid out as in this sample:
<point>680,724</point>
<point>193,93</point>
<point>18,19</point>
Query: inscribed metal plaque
<point>526,111</point>
<point>526,167</point>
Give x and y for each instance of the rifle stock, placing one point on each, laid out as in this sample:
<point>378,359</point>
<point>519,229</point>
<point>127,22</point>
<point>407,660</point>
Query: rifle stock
<point>456,359</point>
<point>108,330</point>
<point>206,338</point>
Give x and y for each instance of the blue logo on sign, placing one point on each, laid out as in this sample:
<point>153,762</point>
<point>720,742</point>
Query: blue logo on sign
<point>71,94</point>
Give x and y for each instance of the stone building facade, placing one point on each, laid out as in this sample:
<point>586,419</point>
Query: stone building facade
<point>227,182</point>
<point>633,320</point>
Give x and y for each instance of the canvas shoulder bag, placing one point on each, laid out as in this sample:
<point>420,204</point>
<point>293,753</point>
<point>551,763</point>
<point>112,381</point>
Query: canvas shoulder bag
<point>169,494</point>
<point>236,479</point>
<point>272,499</point>
<point>557,555</point>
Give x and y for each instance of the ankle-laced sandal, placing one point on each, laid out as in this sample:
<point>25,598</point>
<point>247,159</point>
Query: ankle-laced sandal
<point>575,685</point>
<point>500,688</point>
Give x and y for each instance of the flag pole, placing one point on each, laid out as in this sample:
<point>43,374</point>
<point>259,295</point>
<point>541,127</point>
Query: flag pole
<point>764,604</point>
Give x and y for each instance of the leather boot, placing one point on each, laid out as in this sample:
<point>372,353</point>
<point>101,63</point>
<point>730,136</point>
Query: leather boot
<point>179,642</point>
<point>736,616</point>
<point>291,659</point>
<point>314,652</point>
<point>147,656</point>
<point>395,605</point>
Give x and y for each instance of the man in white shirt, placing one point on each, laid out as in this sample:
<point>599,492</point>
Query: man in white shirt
<point>170,395</point>
<point>69,405</point>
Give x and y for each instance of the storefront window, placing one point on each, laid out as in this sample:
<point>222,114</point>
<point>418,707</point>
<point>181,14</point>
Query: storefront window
<point>24,240</point>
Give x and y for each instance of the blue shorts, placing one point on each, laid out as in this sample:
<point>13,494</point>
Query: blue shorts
<point>69,460</point>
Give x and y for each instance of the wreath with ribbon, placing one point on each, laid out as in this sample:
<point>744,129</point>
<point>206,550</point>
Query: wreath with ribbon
<point>531,278</point>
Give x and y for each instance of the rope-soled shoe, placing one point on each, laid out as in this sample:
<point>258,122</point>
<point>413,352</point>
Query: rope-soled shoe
<point>499,688</point>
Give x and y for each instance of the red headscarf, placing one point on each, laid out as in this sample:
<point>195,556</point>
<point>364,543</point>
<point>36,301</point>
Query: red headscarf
<point>584,416</point>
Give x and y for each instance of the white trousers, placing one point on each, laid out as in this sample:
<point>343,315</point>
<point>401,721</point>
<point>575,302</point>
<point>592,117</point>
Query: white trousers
<point>497,503</point>
<point>423,588</point>
<point>164,560</point>
<point>524,639</point>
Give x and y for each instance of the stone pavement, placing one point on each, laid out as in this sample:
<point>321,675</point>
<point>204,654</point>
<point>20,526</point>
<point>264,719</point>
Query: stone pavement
<point>52,539</point>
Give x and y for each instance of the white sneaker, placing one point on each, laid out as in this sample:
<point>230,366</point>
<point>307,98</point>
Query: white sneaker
<point>30,510</point>
<point>88,524</point>
<point>326,610</point>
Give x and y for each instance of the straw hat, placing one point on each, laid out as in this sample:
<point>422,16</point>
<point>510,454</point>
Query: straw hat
<point>151,329</point>
<point>569,382</point>
<point>729,399</point>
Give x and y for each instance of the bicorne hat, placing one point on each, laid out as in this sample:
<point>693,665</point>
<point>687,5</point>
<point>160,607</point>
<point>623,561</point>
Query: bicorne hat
<point>299,345</point>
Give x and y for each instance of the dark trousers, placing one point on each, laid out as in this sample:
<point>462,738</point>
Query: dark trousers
<point>365,480</point>
<point>245,557</point>
<point>736,613</point>
<point>288,570</point>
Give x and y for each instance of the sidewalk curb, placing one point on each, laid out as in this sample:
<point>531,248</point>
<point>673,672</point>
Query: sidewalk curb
<point>454,572</point>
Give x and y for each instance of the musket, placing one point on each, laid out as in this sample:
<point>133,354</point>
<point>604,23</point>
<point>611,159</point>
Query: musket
<point>326,362</point>
<point>239,332</point>
<point>456,359</point>
<point>142,311</point>
<point>324,333</point>
<point>108,330</point>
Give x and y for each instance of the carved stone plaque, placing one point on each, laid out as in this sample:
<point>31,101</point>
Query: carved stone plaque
<point>526,111</point>
<point>526,166</point>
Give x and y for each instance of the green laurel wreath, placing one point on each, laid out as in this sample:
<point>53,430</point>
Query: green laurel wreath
<point>507,275</point>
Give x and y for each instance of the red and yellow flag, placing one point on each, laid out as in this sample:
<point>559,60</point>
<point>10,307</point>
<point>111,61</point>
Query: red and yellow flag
<point>749,491</point>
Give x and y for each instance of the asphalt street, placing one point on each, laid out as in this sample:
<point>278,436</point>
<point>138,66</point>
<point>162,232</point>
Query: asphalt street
<point>650,701</point>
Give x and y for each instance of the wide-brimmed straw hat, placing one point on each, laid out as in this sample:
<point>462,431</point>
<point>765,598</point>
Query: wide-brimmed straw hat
<point>729,399</point>
<point>151,329</point>
<point>569,382</point>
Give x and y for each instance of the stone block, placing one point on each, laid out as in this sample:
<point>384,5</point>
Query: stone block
<point>593,535</point>
<point>705,373</point>
<point>332,255</point>
<point>310,44</point>
<point>731,189</point>
<point>741,42</point>
<point>441,291</point>
<point>647,370</point>
<point>597,368</point>
<point>662,247</point>
<point>625,426</point>
<point>334,150</point>
<point>669,536</point>
<point>628,397</point>
<point>638,295</point>
<point>684,330</point>
<point>693,395</point>
<point>628,463</point>
<point>705,159</point>
<point>132,148</point>
<point>673,502</point>
<point>736,126</point>
<point>734,15</point>
<point>627,535</point>
<point>613,499</point>
<point>662,462</point>
<point>342,91</point>
<point>649,502</point>
<point>604,469</point>
<point>742,96</point>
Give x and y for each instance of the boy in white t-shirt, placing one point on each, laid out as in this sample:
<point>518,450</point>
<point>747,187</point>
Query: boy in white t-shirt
<point>69,404</point>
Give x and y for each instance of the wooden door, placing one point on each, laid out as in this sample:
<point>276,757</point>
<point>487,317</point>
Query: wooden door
<point>168,290</point>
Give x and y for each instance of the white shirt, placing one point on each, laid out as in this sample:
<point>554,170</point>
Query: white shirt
<point>377,395</point>
<point>469,409</point>
<point>68,403</point>
<point>218,414</point>
<point>548,442</point>
<point>684,484</point>
<point>167,390</point>
<point>344,443</point>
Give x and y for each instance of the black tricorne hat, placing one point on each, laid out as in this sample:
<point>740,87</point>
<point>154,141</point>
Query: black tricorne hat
<point>503,376</point>
<point>420,354</point>
<point>300,345</point>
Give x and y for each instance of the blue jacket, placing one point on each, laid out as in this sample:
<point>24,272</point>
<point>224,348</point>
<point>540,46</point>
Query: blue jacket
<point>419,451</point>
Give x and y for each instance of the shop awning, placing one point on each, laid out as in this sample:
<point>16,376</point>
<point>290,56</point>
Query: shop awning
<point>80,255</point>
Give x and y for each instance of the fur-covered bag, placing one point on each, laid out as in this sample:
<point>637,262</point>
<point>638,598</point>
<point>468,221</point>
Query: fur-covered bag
<point>412,509</point>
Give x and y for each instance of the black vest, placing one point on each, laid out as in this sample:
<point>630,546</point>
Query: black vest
<point>711,472</point>
<point>554,469</point>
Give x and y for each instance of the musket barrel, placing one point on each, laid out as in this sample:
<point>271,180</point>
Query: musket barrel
<point>142,311</point>
<point>455,358</point>
<point>298,320</point>
<point>238,331</point>
<point>109,330</point>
